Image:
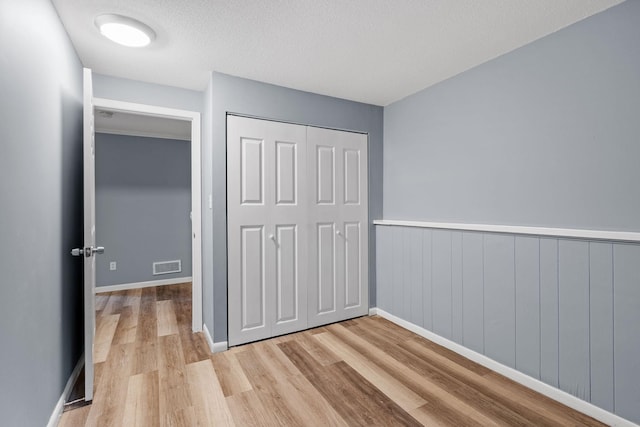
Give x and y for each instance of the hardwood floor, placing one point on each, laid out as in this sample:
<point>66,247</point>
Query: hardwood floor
<point>152,371</point>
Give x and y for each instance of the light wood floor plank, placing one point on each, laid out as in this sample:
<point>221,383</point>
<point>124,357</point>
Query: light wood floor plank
<point>101,302</point>
<point>141,407</point>
<point>132,297</point>
<point>174,390</point>
<point>167,324</point>
<point>321,354</point>
<point>184,417</point>
<point>274,360</point>
<point>105,329</point>
<point>365,405</point>
<point>108,404</point>
<point>407,399</point>
<point>127,325</point>
<point>248,410</point>
<point>209,402</point>
<point>115,303</point>
<point>231,376</point>
<point>75,418</point>
<point>432,391</point>
<point>308,403</point>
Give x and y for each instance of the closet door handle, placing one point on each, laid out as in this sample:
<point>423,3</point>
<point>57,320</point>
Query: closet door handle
<point>339,233</point>
<point>272,237</point>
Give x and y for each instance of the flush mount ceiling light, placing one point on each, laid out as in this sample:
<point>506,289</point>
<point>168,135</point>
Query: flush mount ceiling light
<point>124,30</point>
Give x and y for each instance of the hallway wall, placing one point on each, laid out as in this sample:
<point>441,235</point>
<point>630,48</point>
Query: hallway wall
<point>143,201</point>
<point>41,322</point>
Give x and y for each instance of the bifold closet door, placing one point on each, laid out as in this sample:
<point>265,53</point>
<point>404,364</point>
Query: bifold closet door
<point>338,249</point>
<point>267,245</point>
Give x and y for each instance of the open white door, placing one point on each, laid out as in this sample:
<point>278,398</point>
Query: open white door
<point>89,249</point>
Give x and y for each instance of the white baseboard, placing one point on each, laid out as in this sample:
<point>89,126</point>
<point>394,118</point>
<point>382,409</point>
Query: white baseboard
<point>138,285</point>
<point>207,335</point>
<point>57,411</point>
<point>517,376</point>
<point>215,347</point>
<point>220,346</point>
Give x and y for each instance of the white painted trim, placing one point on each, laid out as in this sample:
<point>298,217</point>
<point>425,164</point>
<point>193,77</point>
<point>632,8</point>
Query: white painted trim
<point>621,236</point>
<point>220,346</point>
<point>207,335</point>
<point>196,224</point>
<point>138,285</point>
<point>517,376</point>
<point>59,408</point>
<point>196,187</point>
<point>142,134</point>
<point>373,311</point>
<point>215,347</point>
<point>144,109</point>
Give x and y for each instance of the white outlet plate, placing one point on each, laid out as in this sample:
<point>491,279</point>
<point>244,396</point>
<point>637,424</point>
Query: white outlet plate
<point>112,265</point>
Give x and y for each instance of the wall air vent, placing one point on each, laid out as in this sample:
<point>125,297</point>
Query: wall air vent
<point>167,267</point>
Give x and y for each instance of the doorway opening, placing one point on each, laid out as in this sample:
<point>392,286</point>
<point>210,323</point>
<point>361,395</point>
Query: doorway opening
<point>162,133</point>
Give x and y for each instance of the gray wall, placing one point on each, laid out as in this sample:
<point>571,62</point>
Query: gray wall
<point>237,95</point>
<point>143,200</point>
<point>146,93</point>
<point>40,211</point>
<point>543,136</point>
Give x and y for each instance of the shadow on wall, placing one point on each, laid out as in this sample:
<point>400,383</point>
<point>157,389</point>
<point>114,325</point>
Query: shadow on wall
<point>72,322</point>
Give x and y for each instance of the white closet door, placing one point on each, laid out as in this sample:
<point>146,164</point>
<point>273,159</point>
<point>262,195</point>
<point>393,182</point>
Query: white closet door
<point>338,250</point>
<point>267,247</point>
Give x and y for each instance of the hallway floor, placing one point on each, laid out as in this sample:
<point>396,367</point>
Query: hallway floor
<point>152,371</point>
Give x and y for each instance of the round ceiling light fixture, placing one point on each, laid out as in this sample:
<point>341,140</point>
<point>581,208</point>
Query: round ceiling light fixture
<point>124,30</point>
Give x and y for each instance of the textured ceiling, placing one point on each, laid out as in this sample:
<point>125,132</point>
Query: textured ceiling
<point>373,51</point>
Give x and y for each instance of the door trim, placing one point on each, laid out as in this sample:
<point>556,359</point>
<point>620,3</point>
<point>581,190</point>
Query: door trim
<point>196,186</point>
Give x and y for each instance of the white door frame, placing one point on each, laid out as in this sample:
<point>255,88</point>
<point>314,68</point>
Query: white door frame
<point>196,186</point>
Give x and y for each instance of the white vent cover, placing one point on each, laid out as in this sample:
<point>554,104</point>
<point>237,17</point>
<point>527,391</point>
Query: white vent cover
<point>166,267</point>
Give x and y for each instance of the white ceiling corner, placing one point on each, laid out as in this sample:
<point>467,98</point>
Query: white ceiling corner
<point>373,51</point>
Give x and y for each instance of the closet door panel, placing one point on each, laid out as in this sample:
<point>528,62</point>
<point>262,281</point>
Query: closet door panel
<point>338,170</point>
<point>352,262</point>
<point>266,245</point>
<point>286,273</point>
<point>326,262</point>
<point>290,294</point>
<point>353,215</point>
<point>290,236</point>
<point>352,184</point>
<point>251,171</point>
<point>252,278</point>
<point>286,173</point>
<point>325,175</point>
